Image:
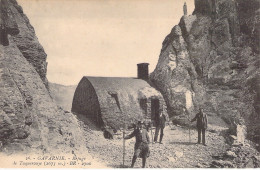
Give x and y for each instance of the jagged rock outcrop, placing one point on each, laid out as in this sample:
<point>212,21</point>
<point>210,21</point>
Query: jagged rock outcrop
<point>30,121</point>
<point>14,22</point>
<point>211,60</point>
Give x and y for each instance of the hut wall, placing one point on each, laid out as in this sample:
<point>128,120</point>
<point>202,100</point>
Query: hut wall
<point>111,114</point>
<point>86,102</point>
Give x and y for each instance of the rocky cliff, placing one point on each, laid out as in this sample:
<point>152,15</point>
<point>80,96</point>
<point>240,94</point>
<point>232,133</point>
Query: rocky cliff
<point>30,121</point>
<point>211,60</point>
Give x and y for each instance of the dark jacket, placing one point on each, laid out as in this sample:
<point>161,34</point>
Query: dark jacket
<point>139,137</point>
<point>202,120</point>
<point>160,122</point>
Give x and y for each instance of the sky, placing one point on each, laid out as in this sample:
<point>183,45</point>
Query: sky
<point>101,37</point>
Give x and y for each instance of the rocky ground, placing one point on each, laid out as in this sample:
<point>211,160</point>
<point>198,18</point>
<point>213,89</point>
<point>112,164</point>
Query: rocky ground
<point>175,152</point>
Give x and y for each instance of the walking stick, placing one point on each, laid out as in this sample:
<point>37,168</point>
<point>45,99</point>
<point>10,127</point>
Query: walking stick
<point>114,95</point>
<point>124,145</point>
<point>189,133</point>
<point>152,131</point>
<point>189,123</point>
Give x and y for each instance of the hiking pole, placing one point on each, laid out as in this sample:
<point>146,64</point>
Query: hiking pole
<point>189,126</point>
<point>152,131</point>
<point>188,113</point>
<point>114,95</point>
<point>124,145</point>
<point>189,133</point>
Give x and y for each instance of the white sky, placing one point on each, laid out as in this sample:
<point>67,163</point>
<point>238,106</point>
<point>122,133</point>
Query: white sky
<point>101,37</point>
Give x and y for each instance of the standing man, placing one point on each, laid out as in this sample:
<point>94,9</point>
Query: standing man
<point>160,125</point>
<point>202,124</point>
<point>141,144</point>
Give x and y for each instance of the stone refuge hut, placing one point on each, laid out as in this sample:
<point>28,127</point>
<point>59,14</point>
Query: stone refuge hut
<point>115,101</point>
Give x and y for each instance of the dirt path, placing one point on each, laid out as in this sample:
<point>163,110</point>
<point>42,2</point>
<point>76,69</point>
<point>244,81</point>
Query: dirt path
<point>175,152</point>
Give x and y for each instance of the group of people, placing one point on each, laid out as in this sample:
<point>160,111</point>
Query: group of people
<point>142,138</point>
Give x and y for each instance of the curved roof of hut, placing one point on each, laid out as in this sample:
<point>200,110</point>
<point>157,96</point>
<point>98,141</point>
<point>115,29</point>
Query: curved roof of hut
<point>128,90</point>
<point>108,85</point>
<point>117,83</point>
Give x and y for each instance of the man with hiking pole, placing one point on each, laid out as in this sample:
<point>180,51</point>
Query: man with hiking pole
<point>141,145</point>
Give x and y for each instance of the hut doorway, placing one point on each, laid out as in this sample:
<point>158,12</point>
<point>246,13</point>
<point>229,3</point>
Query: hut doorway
<point>143,104</point>
<point>155,109</point>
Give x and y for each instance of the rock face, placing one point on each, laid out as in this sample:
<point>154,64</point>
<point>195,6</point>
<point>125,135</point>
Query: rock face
<point>30,121</point>
<point>211,60</point>
<point>14,22</point>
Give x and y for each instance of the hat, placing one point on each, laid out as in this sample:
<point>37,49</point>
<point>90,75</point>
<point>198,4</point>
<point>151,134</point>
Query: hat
<point>140,122</point>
